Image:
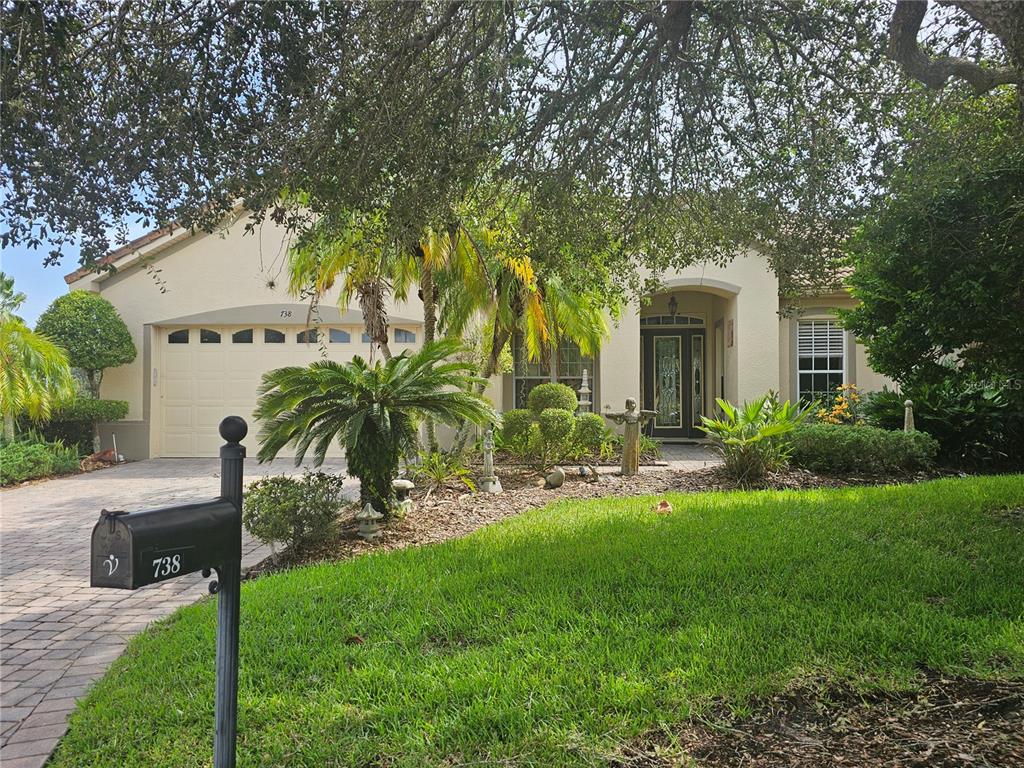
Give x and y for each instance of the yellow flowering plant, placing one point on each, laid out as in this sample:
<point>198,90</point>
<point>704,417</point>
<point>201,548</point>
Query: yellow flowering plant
<point>845,407</point>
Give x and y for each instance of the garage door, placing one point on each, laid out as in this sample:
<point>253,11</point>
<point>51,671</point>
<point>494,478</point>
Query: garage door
<point>212,372</point>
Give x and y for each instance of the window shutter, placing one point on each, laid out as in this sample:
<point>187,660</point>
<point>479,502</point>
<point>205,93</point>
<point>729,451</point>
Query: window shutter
<point>819,338</point>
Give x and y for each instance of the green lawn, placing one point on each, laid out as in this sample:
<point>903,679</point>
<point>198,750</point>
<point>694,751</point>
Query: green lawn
<point>549,638</point>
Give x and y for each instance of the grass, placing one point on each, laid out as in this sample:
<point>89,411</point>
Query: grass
<point>550,638</point>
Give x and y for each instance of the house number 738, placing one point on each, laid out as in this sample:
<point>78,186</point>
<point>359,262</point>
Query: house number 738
<point>166,566</point>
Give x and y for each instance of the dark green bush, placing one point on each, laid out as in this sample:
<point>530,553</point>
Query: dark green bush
<point>29,457</point>
<point>515,429</point>
<point>24,461</point>
<point>74,425</point>
<point>588,433</point>
<point>545,396</point>
<point>555,427</point>
<point>88,327</point>
<point>296,512</point>
<point>833,448</point>
<point>975,426</point>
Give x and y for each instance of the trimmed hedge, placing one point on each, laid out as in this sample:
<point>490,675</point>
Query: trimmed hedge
<point>73,425</point>
<point>834,448</point>
<point>515,429</point>
<point>555,426</point>
<point>545,396</point>
<point>588,433</point>
<point>297,512</point>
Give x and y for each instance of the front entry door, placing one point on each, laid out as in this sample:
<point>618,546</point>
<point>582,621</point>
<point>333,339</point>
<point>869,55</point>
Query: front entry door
<point>673,361</point>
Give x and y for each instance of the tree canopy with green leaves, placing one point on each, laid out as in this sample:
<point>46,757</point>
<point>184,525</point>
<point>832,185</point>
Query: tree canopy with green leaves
<point>705,125</point>
<point>940,265</point>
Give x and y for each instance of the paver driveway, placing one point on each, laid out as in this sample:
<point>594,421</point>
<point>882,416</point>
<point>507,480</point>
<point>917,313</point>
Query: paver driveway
<point>57,635</point>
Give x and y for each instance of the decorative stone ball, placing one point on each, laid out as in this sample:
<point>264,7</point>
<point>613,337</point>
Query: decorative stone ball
<point>234,429</point>
<point>554,479</point>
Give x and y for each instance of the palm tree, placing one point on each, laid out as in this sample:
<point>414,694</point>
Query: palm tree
<point>353,248</point>
<point>35,377</point>
<point>371,410</point>
<point>543,312</point>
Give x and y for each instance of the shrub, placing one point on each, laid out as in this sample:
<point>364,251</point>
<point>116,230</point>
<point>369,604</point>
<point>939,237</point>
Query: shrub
<point>588,433</point>
<point>296,512</point>
<point>20,461</point>
<point>89,328</point>
<point>750,438</point>
<point>440,469</point>
<point>30,457</point>
<point>973,424</point>
<point>76,423</point>
<point>832,448</point>
<point>515,429</point>
<point>545,396</point>
<point>555,426</point>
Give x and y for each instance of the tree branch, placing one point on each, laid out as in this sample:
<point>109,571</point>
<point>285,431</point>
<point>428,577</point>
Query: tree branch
<point>936,72</point>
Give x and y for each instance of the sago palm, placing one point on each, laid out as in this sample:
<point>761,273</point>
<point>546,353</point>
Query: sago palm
<point>35,377</point>
<point>372,411</point>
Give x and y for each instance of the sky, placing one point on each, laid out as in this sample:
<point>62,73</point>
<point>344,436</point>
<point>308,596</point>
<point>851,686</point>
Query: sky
<point>41,285</point>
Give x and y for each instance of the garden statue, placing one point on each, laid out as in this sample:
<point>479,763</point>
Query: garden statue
<point>489,483</point>
<point>584,394</point>
<point>369,522</point>
<point>908,416</point>
<point>633,420</point>
<point>403,488</point>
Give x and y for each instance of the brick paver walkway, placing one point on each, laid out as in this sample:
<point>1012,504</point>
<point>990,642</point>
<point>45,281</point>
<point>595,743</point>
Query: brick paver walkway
<point>689,456</point>
<point>57,635</point>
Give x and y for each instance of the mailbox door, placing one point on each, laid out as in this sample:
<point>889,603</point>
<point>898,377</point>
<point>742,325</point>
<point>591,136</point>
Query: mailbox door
<point>112,555</point>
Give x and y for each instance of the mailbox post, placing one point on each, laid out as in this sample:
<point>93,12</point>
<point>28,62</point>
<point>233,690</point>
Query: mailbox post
<point>232,456</point>
<point>132,550</point>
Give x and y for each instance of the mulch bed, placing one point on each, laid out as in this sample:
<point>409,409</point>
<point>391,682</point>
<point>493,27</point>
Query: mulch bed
<point>945,722</point>
<point>450,513</point>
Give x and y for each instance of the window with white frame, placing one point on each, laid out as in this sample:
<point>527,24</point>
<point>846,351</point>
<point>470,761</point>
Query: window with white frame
<point>570,362</point>
<point>820,359</point>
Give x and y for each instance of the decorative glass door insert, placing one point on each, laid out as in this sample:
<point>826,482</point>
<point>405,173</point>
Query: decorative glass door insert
<point>697,378</point>
<point>668,385</point>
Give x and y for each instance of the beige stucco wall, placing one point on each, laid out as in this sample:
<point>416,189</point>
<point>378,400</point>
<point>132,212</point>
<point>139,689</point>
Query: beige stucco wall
<point>744,291</point>
<point>188,274</point>
<point>193,274</point>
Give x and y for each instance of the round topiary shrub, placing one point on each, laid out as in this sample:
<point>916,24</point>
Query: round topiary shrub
<point>515,429</point>
<point>588,433</point>
<point>89,328</point>
<point>555,430</point>
<point>545,396</point>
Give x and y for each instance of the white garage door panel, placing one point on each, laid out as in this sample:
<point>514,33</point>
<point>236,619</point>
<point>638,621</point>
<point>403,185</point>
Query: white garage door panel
<point>203,383</point>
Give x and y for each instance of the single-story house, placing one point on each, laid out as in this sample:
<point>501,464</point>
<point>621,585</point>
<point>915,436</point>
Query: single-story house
<point>210,314</point>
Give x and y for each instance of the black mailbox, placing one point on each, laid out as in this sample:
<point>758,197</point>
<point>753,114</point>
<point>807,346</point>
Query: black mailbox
<point>132,550</point>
